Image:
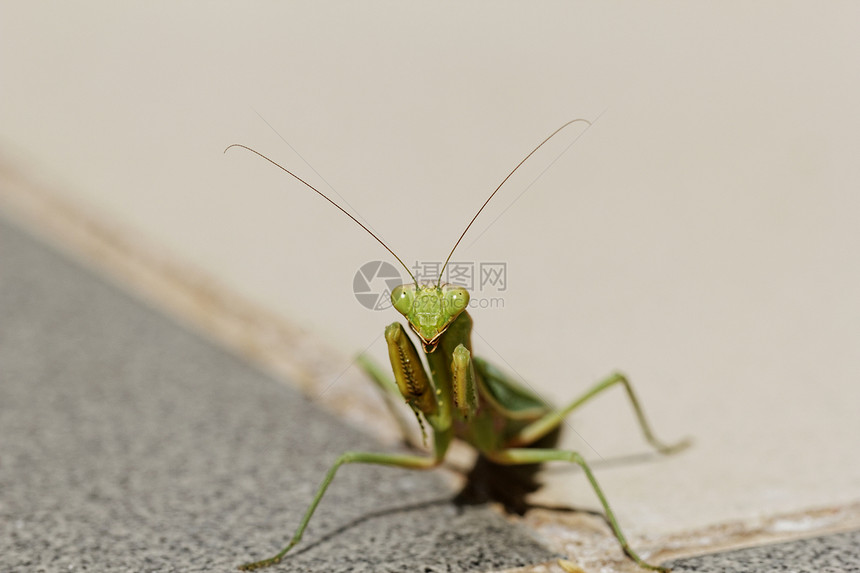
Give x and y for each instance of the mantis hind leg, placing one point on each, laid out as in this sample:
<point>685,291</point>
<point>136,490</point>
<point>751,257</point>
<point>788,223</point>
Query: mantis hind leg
<point>403,461</point>
<point>517,456</point>
<point>549,422</point>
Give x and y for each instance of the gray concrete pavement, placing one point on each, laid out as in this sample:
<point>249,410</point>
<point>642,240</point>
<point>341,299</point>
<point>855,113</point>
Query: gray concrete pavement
<point>827,554</point>
<point>127,443</point>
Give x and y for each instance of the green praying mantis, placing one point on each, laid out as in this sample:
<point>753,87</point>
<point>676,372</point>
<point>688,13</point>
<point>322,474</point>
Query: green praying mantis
<point>464,397</point>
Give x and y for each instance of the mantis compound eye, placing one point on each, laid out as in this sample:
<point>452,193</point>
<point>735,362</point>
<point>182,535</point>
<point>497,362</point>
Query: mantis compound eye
<point>454,300</point>
<point>403,297</point>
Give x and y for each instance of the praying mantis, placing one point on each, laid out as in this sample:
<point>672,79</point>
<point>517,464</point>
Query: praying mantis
<point>464,397</point>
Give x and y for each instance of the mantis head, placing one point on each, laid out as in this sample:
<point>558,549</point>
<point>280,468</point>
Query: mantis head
<point>430,309</point>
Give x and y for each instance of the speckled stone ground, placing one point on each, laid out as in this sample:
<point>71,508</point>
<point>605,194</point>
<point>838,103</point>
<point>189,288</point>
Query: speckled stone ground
<point>129,444</point>
<point>829,554</point>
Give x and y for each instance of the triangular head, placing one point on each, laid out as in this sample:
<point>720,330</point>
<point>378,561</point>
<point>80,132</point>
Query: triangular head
<point>430,309</point>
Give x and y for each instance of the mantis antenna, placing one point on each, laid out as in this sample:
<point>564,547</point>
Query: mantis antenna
<point>324,196</point>
<point>466,230</point>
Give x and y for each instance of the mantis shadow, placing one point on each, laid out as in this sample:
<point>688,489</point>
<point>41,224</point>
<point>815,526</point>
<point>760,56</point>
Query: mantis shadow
<point>510,485</point>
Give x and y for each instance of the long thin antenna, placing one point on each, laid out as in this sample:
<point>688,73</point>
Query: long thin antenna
<point>324,196</point>
<point>466,230</point>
